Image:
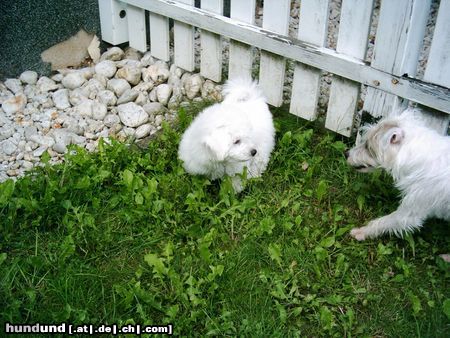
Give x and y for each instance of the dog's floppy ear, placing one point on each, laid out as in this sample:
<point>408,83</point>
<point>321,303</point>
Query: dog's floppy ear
<point>395,135</point>
<point>217,143</point>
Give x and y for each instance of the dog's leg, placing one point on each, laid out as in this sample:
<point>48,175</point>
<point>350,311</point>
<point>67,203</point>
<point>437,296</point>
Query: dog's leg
<point>401,221</point>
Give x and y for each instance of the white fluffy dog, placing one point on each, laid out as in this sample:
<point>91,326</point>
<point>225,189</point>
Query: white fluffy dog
<point>229,136</point>
<point>418,158</point>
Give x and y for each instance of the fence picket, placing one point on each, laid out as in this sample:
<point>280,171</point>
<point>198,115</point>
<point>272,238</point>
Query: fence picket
<point>240,57</point>
<point>136,26</point>
<point>211,46</point>
<point>305,86</point>
<point>438,66</point>
<point>399,37</point>
<point>183,41</point>
<point>272,67</point>
<point>113,25</point>
<point>344,93</point>
<point>159,36</point>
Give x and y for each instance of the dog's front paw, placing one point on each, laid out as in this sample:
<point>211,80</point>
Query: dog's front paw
<point>358,233</point>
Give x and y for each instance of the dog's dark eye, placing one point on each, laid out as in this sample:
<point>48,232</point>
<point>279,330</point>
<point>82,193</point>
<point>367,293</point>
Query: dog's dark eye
<point>237,141</point>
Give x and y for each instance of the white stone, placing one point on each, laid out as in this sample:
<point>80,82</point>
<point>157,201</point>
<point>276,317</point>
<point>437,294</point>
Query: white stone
<point>158,73</point>
<point>144,86</point>
<point>147,59</point>
<point>176,71</point>
<point>27,165</point>
<point>47,141</point>
<point>143,131</point>
<point>14,85</point>
<point>59,148</point>
<point>118,86</point>
<point>84,108</point>
<point>77,96</point>
<point>75,125</point>
<point>163,92</point>
<point>114,54</point>
<point>29,77</point>
<point>141,99</point>
<point>132,54</point>
<point>92,87</point>
<point>130,73</point>
<point>29,131</point>
<point>158,120</point>
<point>8,147</point>
<point>6,132</point>
<point>132,115</point>
<point>73,80</point>
<point>129,132</point>
<point>154,108</point>
<point>107,68</point>
<point>57,77</point>
<point>99,110</point>
<point>61,98</point>
<point>39,151</point>
<point>128,96</point>
<point>30,91</point>
<point>102,79</point>
<point>152,95</point>
<point>44,84</point>
<point>211,91</point>
<point>14,104</point>
<point>107,97</point>
<point>192,85</point>
<point>110,120</point>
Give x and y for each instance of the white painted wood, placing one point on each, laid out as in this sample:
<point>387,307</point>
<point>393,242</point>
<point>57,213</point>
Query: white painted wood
<point>211,46</point>
<point>240,55</point>
<point>344,94</point>
<point>136,28</point>
<point>399,37</point>
<point>183,41</point>
<point>272,67</point>
<point>312,29</point>
<point>159,36</point>
<point>329,60</point>
<point>114,28</point>
<point>438,66</point>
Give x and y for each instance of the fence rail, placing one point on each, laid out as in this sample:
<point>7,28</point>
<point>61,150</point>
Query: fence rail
<point>390,77</point>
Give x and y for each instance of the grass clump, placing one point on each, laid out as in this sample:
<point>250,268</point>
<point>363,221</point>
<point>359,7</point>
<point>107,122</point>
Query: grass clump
<point>124,235</point>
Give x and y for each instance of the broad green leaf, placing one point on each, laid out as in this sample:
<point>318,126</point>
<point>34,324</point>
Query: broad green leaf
<point>275,252</point>
<point>157,264</point>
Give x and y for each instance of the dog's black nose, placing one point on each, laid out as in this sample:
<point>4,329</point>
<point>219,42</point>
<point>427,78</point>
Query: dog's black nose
<point>253,152</point>
<point>347,154</point>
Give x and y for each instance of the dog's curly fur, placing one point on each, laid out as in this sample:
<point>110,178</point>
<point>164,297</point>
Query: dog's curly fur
<point>418,158</point>
<point>229,136</point>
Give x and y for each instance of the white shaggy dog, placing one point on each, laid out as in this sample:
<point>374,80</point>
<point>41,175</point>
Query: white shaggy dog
<point>418,158</point>
<point>231,135</point>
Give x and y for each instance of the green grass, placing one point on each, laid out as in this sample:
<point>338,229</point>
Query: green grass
<point>126,236</point>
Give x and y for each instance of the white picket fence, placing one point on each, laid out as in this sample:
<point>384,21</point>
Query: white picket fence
<point>390,77</point>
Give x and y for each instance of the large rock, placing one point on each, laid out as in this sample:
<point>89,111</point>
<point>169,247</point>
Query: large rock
<point>132,115</point>
<point>107,68</point>
<point>73,80</point>
<point>131,73</point>
<point>61,99</point>
<point>29,77</point>
<point>118,86</point>
<point>14,104</point>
